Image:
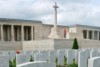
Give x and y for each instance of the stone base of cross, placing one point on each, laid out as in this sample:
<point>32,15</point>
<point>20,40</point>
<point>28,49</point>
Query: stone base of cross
<point>53,34</point>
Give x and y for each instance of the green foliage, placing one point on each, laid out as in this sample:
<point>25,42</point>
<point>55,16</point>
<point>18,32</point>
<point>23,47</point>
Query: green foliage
<point>31,60</point>
<point>68,65</point>
<point>74,61</point>
<point>73,64</point>
<point>75,44</point>
<point>12,63</point>
<point>56,61</point>
<point>65,60</point>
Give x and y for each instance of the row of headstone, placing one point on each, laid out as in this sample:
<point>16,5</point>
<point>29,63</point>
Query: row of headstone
<point>60,55</point>
<point>82,57</point>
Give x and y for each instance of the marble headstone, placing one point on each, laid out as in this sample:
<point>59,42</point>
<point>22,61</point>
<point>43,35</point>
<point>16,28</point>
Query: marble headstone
<point>94,62</point>
<point>94,53</point>
<point>40,57</point>
<point>72,55</point>
<point>22,58</point>
<point>61,55</point>
<point>83,58</point>
<point>52,56</point>
<point>4,61</point>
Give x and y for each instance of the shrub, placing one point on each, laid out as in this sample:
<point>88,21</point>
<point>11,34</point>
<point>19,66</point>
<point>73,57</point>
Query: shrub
<point>75,44</point>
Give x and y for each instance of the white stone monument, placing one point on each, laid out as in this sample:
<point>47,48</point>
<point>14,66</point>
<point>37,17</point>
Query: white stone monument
<point>94,53</point>
<point>22,58</point>
<point>40,57</point>
<point>52,56</point>
<point>4,61</point>
<point>83,58</point>
<point>12,55</point>
<point>94,62</point>
<point>53,33</point>
<point>61,54</point>
<point>71,56</point>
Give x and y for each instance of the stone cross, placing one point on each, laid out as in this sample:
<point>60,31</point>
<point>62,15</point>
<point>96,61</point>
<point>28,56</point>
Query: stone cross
<point>55,8</point>
<point>53,33</point>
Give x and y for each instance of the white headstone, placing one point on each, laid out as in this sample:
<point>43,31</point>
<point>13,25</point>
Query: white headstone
<point>52,56</point>
<point>72,55</point>
<point>6,53</point>
<point>29,52</point>
<point>94,62</point>
<point>44,52</point>
<point>61,55</point>
<point>94,53</point>
<point>40,57</point>
<point>34,52</point>
<point>4,61</point>
<point>38,64</point>
<point>83,58</point>
<point>12,55</point>
<point>22,58</point>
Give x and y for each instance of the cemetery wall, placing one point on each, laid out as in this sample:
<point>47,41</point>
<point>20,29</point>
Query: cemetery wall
<point>89,43</point>
<point>63,43</point>
<point>50,44</point>
<point>8,45</point>
<point>47,44</point>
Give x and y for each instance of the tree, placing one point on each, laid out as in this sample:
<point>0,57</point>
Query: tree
<point>75,44</point>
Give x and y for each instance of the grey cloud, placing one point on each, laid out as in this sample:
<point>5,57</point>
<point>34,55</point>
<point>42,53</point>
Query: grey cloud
<point>69,12</point>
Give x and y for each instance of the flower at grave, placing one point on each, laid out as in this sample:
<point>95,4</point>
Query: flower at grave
<point>17,51</point>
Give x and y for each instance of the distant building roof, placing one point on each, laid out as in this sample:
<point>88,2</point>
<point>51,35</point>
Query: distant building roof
<point>78,25</point>
<point>18,20</point>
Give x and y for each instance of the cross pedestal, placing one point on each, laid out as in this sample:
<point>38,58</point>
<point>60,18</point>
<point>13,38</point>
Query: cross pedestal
<point>53,33</point>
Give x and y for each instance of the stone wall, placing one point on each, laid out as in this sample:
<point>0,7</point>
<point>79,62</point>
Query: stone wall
<point>11,45</point>
<point>50,44</point>
<point>63,43</point>
<point>47,44</point>
<point>89,43</point>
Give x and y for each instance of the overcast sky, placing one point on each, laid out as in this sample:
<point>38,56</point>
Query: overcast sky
<point>85,12</point>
